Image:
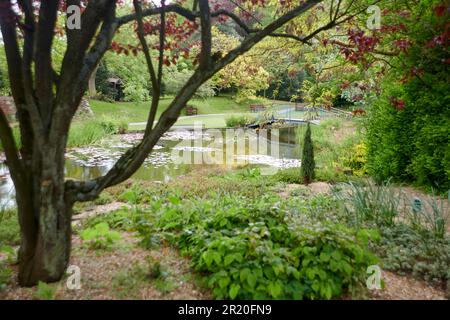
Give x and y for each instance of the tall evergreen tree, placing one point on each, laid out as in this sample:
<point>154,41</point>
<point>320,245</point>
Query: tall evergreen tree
<point>308,163</point>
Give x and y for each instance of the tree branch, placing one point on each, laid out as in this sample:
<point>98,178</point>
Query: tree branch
<point>155,79</point>
<point>155,11</point>
<point>12,156</point>
<point>205,19</point>
<point>43,61</point>
<point>21,90</point>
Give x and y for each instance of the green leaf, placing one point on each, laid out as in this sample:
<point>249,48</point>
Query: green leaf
<point>229,258</point>
<point>207,257</point>
<point>324,257</point>
<point>174,200</point>
<point>102,227</point>
<point>234,290</point>
<point>217,257</point>
<point>347,268</point>
<point>223,282</point>
<point>251,280</point>
<point>244,274</point>
<point>275,289</point>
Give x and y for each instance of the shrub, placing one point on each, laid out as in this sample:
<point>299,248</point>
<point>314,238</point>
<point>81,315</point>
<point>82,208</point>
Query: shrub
<point>5,270</point>
<point>332,258</point>
<point>239,121</point>
<point>106,92</point>
<point>308,163</point>
<point>429,216</point>
<point>126,283</point>
<point>409,141</point>
<point>254,248</point>
<point>120,220</point>
<point>291,175</point>
<point>332,145</point>
<point>356,160</point>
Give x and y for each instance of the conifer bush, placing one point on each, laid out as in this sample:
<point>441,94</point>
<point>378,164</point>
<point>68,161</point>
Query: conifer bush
<point>308,163</point>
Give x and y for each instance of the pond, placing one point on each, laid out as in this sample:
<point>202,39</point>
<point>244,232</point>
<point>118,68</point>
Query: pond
<point>178,152</point>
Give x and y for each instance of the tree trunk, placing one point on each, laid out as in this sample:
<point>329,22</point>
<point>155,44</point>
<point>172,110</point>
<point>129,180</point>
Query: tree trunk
<point>45,219</point>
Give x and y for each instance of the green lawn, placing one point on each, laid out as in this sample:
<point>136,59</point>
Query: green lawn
<point>208,121</point>
<point>126,111</point>
<point>138,112</point>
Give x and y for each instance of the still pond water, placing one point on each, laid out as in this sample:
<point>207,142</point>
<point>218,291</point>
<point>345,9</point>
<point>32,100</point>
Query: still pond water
<point>177,153</point>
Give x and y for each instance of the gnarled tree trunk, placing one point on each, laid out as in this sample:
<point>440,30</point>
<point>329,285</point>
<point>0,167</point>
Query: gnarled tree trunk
<point>45,219</point>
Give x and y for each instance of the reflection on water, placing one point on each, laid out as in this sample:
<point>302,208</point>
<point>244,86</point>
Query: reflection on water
<point>177,153</point>
<point>6,188</point>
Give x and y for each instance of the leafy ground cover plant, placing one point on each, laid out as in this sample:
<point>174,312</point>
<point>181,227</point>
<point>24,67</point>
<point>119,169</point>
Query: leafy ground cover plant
<point>45,291</point>
<point>406,251</point>
<point>5,275</point>
<point>414,237</point>
<point>9,227</point>
<point>100,236</point>
<point>256,248</point>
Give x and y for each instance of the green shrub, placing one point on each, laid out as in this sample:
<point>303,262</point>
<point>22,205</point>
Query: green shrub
<point>410,141</point>
<point>332,258</point>
<point>356,160</point>
<point>429,216</point>
<point>126,283</point>
<point>331,175</point>
<point>308,163</point>
<point>291,175</point>
<point>239,121</point>
<point>5,263</point>
<point>255,248</point>
<point>333,147</point>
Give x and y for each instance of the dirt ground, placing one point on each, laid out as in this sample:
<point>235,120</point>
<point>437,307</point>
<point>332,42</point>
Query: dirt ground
<point>406,288</point>
<point>109,275</point>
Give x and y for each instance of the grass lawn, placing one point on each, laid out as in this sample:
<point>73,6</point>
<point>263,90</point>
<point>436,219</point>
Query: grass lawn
<point>138,112</point>
<point>208,121</point>
<point>126,111</point>
<point>131,112</point>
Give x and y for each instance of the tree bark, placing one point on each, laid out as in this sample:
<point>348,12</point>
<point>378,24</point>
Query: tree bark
<point>92,88</point>
<point>45,256</point>
<point>45,220</point>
